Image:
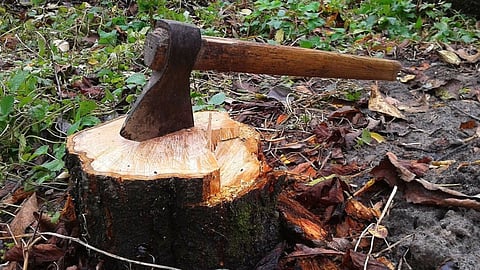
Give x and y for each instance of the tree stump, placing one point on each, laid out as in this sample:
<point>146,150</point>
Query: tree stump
<point>195,199</point>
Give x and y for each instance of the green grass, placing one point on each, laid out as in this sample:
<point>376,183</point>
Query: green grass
<point>49,91</point>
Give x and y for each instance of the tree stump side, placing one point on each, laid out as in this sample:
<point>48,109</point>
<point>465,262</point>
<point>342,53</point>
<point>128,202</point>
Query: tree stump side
<point>234,234</point>
<point>196,199</point>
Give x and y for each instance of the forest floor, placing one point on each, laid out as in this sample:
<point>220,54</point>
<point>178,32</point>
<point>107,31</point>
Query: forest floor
<point>437,139</point>
<point>347,146</point>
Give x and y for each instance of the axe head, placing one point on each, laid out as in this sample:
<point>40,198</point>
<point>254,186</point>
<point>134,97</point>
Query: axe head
<point>164,106</point>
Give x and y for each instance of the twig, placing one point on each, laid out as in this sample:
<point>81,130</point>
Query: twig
<point>78,241</point>
<point>467,114</point>
<point>364,232</point>
<point>28,48</point>
<point>387,205</point>
<point>393,245</point>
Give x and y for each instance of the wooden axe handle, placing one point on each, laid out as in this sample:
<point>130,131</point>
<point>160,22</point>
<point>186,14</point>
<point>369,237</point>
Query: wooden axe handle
<point>229,55</point>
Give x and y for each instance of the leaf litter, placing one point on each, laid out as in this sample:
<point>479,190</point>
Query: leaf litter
<point>422,142</point>
<point>425,143</point>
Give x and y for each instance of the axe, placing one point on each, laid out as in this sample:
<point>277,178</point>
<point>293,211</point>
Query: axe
<point>174,49</point>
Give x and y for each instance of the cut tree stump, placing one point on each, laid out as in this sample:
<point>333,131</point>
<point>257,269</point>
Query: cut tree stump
<point>195,199</point>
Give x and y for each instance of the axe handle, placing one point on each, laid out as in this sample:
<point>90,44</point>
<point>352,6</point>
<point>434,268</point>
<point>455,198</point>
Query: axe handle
<point>229,55</point>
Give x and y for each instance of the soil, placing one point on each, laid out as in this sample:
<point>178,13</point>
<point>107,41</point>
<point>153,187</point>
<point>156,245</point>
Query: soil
<point>448,233</point>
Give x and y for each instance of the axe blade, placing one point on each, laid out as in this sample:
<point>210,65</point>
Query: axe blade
<point>164,106</point>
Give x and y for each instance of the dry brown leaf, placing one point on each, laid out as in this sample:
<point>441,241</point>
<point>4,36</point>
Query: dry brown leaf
<point>402,173</point>
<point>421,191</point>
<point>325,193</point>
<point>378,104</point>
<point>272,258</point>
<point>387,262</point>
<point>379,231</point>
<point>468,125</point>
<point>359,211</point>
<point>303,251</point>
<point>356,260</point>
<point>304,90</point>
<point>470,58</point>
<point>38,253</point>
<point>449,57</point>
<point>25,216</point>
<point>299,220</point>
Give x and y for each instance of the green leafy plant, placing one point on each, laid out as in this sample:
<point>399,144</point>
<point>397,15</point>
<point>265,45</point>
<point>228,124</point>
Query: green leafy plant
<point>212,103</point>
<point>364,138</point>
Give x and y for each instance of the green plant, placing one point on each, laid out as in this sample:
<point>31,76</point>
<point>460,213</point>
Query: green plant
<point>38,104</point>
<point>212,103</point>
<point>364,138</point>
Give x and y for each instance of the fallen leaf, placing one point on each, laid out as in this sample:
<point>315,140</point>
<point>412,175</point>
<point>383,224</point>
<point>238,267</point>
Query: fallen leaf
<point>470,58</point>
<point>299,221</point>
<point>401,173</point>
<point>68,212</point>
<point>419,105</point>
<point>344,112</point>
<point>379,231</point>
<point>92,61</point>
<point>305,251</point>
<point>358,210</point>
<point>421,191</point>
<point>378,104</point>
<point>279,36</point>
<point>303,89</point>
<point>246,86</point>
<point>468,125</point>
<point>386,262</point>
<point>271,260</point>
<point>87,88</point>
<point>245,11</point>
<point>9,41</point>
<point>281,93</point>
<point>18,194</point>
<point>305,169</point>
<point>349,227</point>
<point>62,45</point>
<point>331,136</point>
<point>324,193</point>
<point>38,253</point>
<point>356,260</point>
<point>281,118</point>
<point>341,244</point>
<point>449,57</point>
<point>25,216</point>
<point>450,90</point>
<point>377,137</point>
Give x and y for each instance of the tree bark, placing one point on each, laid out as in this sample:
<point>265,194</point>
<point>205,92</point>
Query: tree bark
<point>195,199</point>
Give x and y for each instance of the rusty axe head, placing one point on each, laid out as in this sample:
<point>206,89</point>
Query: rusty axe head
<point>164,105</point>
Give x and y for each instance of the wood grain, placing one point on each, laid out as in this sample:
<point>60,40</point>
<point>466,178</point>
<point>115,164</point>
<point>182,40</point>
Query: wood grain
<point>229,55</point>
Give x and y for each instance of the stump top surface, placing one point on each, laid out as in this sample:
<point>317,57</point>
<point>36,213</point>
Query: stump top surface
<point>189,153</point>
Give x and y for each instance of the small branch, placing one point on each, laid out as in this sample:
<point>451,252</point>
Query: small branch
<point>462,111</point>
<point>392,245</point>
<point>78,241</point>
